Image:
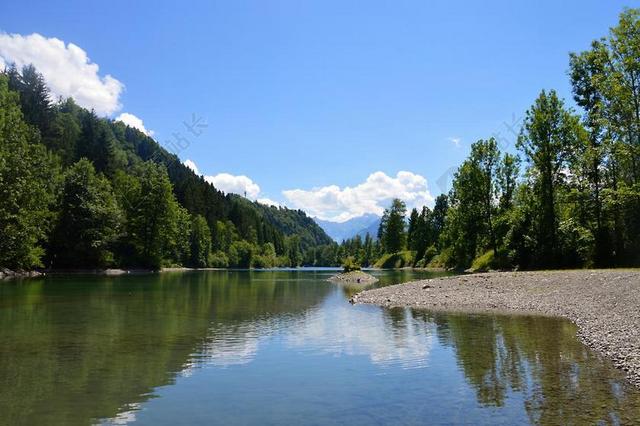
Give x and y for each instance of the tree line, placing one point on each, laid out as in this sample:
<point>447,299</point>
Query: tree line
<point>569,197</point>
<point>80,191</point>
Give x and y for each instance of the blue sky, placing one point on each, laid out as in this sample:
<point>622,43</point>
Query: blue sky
<point>313,97</point>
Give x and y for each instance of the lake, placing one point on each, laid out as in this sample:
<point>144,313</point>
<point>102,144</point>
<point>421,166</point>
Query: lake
<point>284,347</point>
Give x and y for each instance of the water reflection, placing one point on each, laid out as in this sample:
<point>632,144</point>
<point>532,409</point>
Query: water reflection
<point>560,381</point>
<point>387,337</point>
<point>79,349</point>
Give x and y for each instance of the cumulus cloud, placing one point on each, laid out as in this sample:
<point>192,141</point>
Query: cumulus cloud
<point>66,68</point>
<point>135,122</point>
<point>190,164</point>
<point>236,184</point>
<point>372,196</point>
<point>229,183</point>
<point>268,202</point>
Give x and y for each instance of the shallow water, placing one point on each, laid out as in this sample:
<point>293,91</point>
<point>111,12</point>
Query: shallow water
<point>284,347</point>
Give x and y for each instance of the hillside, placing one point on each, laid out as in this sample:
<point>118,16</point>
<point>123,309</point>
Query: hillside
<point>292,223</point>
<point>101,193</point>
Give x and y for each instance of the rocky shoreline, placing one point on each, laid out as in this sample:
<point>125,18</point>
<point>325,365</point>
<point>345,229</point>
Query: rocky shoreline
<point>604,304</point>
<point>111,272</point>
<point>353,277</point>
<point>8,273</point>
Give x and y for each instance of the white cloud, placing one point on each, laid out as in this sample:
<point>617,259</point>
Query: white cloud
<point>135,122</point>
<point>268,202</point>
<point>66,68</point>
<point>372,196</point>
<point>236,184</point>
<point>229,183</point>
<point>190,164</point>
<point>455,141</point>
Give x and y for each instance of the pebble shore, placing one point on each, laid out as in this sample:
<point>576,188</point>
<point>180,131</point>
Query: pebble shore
<point>604,304</point>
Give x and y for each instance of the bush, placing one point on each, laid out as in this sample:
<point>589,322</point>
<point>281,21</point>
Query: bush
<point>350,264</point>
<point>441,260</point>
<point>241,254</point>
<point>395,260</point>
<point>484,262</point>
<point>218,260</point>
<point>429,254</point>
<point>262,261</point>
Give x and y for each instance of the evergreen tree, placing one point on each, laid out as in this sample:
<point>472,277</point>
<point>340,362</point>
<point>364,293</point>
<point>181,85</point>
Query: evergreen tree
<point>89,220</point>
<point>394,235</point>
<point>28,177</point>
<point>200,242</point>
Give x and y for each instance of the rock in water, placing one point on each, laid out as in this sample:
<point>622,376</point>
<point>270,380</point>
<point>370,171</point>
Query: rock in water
<point>354,277</point>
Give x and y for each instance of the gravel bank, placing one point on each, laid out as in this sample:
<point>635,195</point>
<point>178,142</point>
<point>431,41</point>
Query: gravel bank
<point>604,304</point>
<point>353,277</point>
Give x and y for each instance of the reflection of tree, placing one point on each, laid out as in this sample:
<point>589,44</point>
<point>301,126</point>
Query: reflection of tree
<point>77,349</point>
<point>559,378</point>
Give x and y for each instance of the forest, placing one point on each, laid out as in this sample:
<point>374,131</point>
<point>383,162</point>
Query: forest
<point>83,192</point>
<point>80,191</point>
<point>569,197</point>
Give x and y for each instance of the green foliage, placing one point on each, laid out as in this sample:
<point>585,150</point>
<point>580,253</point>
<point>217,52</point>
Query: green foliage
<point>134,208</point>
<point>218,259</point>
<point>548,139</point>
<point>429,254</point>
<point>200,242</point>
<point>89,221</point>
<point>28,177</point>
<point>484,262</point>
<point>392,227</point>
<point>482,191</point>
<point>153,216</point>
<point>241,254</point>
<point>396,260</point>
<point>350,264</point>
<point>442,260</point>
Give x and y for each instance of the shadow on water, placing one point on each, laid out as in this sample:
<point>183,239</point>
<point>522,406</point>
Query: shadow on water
<point>75,350</point>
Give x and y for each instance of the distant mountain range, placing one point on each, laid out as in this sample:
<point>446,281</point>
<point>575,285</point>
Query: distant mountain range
<point>357,226</point>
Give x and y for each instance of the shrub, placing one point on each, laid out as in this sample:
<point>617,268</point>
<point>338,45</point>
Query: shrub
<point>218,260</point>
<point>441,260</point>
<point>349,264</point>
<point>484,262</point>
<point>395,260</point>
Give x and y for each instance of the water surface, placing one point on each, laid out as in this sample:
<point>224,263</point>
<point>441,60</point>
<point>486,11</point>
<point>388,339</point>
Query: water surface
<point>284,347</point>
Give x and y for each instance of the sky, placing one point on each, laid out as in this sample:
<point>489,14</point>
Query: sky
<point>333,107</point>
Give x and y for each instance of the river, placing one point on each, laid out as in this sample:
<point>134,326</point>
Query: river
<point>284,347</point>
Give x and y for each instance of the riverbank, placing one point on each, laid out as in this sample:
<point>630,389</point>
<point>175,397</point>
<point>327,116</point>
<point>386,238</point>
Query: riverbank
<point>604,304</point>
<point>353,277</point>
<point>9,274</point>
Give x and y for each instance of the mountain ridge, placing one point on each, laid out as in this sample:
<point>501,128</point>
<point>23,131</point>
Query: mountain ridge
<point>359,225</point>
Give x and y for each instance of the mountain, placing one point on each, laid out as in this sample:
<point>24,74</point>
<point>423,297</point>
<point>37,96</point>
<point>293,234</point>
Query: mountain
<point>144,207</point>
<point>371,229</point>
<point>356,226</point>
<point>294,222</point>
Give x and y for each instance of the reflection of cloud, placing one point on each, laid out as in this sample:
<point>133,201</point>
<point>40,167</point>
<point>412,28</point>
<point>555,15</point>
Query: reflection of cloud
<point>365,331</point>
<point>125,416</point>
<point>229,345</point>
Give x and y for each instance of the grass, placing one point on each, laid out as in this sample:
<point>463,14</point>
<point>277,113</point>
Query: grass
<point>395,260</point>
